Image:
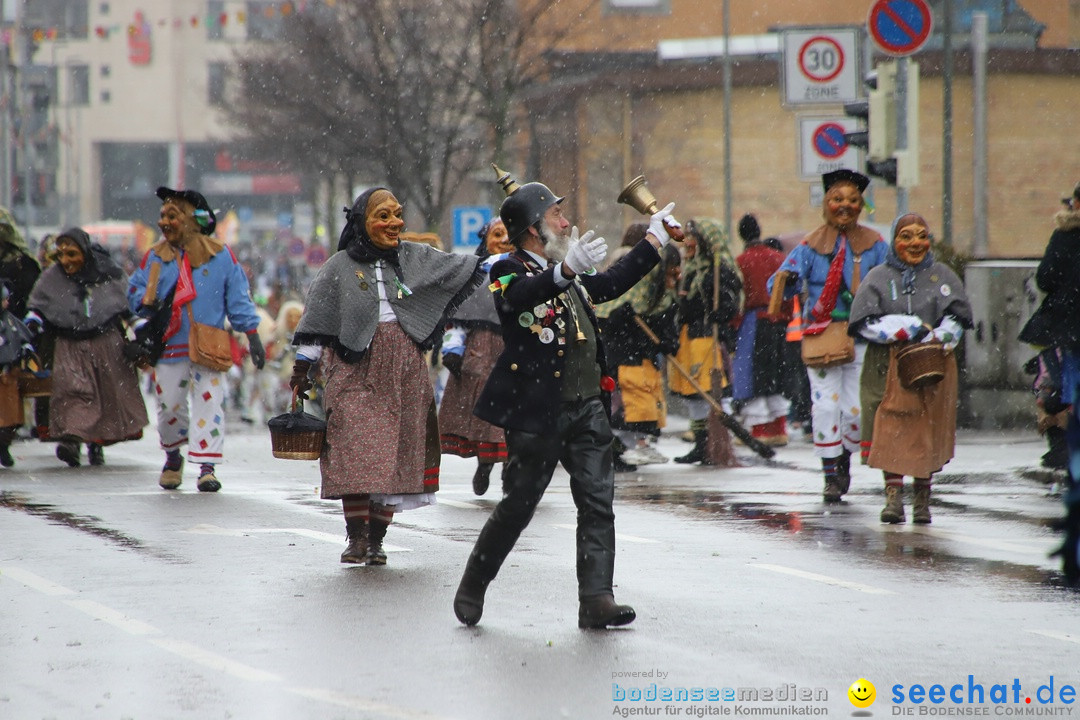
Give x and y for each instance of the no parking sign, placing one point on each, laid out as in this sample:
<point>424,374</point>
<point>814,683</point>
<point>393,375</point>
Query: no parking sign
<point>823,147</point>
<point>900,27</point>
<point>467,222</point>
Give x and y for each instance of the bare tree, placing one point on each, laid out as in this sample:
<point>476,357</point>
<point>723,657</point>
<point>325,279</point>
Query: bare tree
<point>412,92</point>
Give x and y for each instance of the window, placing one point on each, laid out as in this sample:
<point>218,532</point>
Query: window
<point>106,71</point>
<point>106,96</point>
<point>70,18</point>
<point>215,83</point>
<point>78,85</point>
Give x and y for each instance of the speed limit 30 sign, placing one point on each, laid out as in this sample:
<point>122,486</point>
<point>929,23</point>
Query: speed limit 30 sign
<point>820,65</point>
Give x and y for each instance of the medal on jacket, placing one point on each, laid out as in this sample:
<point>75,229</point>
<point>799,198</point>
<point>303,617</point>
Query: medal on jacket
<point>363,282</point>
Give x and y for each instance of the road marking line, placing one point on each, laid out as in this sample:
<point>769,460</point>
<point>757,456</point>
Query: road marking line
<point>868,589</point>
<point>1067,637</point>
<point>35,582</point>
<point>302,532</point>
<point>113,617</point>
<point>200,656</point>
<point>618,536</point>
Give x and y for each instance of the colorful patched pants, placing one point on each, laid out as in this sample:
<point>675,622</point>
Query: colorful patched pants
<point>203,428</point>
<point>834,394</point>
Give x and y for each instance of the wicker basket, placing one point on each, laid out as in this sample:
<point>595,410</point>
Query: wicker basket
<point>921,365</point>
<point>297,435</point>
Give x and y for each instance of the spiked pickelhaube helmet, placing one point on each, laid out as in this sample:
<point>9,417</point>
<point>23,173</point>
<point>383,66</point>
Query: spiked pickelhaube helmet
<point>524,205</point>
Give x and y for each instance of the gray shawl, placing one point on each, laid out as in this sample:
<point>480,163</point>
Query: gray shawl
<point>75,310</point>
<point>937,292</point>
<point>342,306</point>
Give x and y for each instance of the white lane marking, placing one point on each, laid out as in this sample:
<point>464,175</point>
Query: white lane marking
<point>113,617</point>
<point>302,532</point>
<point>34,582</point>
<point>868,589</point>
<point>195,654</point>
<point>618,536</point>
<point>1067,637</point>
<point>213,661</point>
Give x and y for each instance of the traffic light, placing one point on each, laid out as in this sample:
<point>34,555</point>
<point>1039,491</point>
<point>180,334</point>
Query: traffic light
<point>879,111</point>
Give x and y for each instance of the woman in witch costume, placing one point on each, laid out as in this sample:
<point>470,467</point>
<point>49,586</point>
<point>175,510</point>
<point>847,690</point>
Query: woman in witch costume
<point>370,313</point>
<point>911,298</point>
<point>471,345</point>
<point>81,301</point>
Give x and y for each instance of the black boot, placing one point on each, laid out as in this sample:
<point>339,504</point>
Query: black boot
<point>69,451</point>
<point>469,598</point>
<point>843,471</point>
<point>482,478</point>
<point>5,455</point>
<point>492,546</point>
<point>356,551</point>
<point>376,532</point>
<point>601,611</point>
<point>95,454</point>
<point>699,452</point>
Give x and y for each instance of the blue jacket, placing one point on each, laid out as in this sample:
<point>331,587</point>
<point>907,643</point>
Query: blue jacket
<point>812,268</point>
<point>222,292</point>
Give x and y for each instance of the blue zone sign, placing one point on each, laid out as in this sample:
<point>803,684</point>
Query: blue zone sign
<point>900,27</point>
<point>467,222</point>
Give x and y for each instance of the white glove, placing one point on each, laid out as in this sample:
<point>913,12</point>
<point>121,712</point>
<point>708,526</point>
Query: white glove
<point>659,220</point>
<point>585,253</point>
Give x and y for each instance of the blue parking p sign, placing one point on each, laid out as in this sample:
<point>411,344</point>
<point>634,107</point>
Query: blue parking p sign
<point>467,222</point>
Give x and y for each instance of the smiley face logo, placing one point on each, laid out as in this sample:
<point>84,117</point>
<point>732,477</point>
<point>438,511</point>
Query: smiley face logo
<point>862,693</point>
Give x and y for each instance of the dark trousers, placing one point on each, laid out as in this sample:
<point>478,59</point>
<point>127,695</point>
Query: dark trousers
<point>581,441</point>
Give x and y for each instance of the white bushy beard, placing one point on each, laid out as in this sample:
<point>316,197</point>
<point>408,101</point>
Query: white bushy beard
<point>555,246</point>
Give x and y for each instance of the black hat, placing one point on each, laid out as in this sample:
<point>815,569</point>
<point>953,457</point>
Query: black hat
<point>1075,195</point>
<point>204,214</point>
<point>844,175</point>
<point>749,229</point>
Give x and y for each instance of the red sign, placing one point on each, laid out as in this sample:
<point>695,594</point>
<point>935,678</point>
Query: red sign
<point>821,58</point>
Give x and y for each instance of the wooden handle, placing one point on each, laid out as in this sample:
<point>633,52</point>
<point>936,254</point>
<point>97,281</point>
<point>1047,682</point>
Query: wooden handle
<point>777,297</point>
<point>150,296</point>
<point>729,422</point>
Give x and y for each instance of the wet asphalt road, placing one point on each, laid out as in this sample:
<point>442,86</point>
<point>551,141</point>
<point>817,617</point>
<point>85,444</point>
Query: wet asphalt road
<point>120,600</point>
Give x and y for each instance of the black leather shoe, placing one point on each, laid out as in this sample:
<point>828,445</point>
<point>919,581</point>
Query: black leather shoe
<point>5,456</point>
<point>469,600</point>
<point>601,611</point>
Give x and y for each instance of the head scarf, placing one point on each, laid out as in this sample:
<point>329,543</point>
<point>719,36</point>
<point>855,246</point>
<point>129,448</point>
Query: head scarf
<point>712,250</point>
<point>355,240</point>
<point>98,265</point>
<point>12,242</point>
<point>651,296</point>
<point>482,249</point>
<point>907,272</point>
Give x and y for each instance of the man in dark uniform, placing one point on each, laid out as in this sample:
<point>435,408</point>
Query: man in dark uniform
<point>550,391</point>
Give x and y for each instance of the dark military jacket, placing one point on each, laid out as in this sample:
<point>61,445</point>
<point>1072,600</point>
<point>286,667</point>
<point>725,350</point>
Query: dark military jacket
<point>523,391</point>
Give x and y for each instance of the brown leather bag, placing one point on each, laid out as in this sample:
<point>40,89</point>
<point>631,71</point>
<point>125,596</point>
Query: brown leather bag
<point>208,345</point>
<point>831,347</point>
